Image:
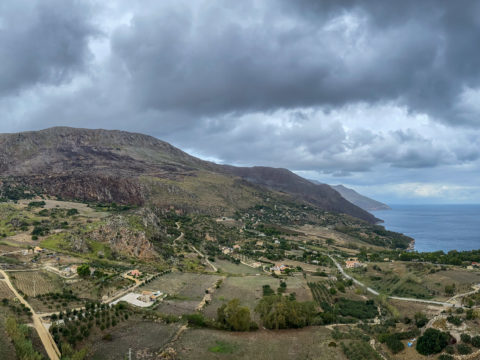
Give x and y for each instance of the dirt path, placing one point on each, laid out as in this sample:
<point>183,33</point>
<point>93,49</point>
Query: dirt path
<point>370,290</point>
<point>46,338</point>
<point>181,236</point>
<point>206,259</point>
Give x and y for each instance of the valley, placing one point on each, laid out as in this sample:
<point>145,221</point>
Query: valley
<point>210,262</point>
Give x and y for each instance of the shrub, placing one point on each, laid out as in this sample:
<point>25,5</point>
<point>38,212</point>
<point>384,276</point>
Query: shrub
<point>455,320</point>
<point>464,349</point>
<point>420,319</point>
<point>234,317</point>
<point>446,357</point>
<point>394,344</point>
<point>197,320</point>
<point>475,341</point>
<point>107,337</point>
<point>450,349</point>
<point>432,342</point>
<point>465,338</point>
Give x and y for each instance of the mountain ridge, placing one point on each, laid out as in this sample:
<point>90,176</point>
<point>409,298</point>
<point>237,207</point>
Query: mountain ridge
<point>132,168</point>
<point>360,200</point>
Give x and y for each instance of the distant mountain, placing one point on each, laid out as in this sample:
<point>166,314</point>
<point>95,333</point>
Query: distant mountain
<point>129,168</point>
<point>357,199</point>
<point>360,200</point>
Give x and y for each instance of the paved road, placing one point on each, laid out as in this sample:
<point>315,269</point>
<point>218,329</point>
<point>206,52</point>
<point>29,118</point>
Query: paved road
<point>370,290</point>
<point>46,338</point>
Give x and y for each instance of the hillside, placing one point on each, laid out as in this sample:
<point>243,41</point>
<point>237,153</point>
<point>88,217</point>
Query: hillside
<point>360,200</point>
<point>135,169</point>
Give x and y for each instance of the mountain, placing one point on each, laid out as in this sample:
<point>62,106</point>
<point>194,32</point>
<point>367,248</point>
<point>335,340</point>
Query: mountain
<point>283,180</point>
<point>128,168</point>
<point>360,200</point>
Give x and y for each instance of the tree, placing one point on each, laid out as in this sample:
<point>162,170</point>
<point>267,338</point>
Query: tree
<point>465,338</point>
<point>83,270</point>
<point>450,289</point>
<point>234,317</point>
<point>281,312</point>
<point>420,319</point>
<point>464,349</point>
<point>475,341</point>
<point>394,343</point>
<point>432,342</point>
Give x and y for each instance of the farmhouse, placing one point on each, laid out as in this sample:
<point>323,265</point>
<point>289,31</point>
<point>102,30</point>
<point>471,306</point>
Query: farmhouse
<point>226,250</point>
<point>279,268</point>
<point>149,296</point>
<point>353,263</point>
<point>38,250</point>
<point>135,273</point>
<point>236,247</point>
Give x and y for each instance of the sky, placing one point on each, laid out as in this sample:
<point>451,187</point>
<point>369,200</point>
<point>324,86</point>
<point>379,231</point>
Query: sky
<point>380,96</point>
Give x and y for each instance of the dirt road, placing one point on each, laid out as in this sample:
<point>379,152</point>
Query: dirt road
<point>370,290</point>
<point>206,259</point>
<point>46,338</point>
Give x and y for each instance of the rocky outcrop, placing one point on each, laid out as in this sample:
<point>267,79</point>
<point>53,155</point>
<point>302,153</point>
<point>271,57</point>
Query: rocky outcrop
<point>125,239</point>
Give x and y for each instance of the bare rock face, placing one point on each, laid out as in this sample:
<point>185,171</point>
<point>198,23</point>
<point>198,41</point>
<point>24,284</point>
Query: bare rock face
<point>125,239</point>
<point>128,168</point>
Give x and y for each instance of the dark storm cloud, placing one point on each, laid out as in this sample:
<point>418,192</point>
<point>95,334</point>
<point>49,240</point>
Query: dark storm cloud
<point>238,58</point>
<point>42,42</point>
<point>376,91</point>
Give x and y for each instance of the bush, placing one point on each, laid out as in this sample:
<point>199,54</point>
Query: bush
<point>455,320</point>
<point>465,338</point>
<point>420,319</point>
<point>197,320</point>
<point>107,337</point>
<point>450,349</point>
<point>475,341</point>
<point>267,290</point>
<point>394,344</point>
<point>446,357</point>
<point>464,349</point>
<point>83,270</point>
<point>234,317</point>
<point>432,342</point>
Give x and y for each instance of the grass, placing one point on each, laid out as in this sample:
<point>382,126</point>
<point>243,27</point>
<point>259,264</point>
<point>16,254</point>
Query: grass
<point>308,343</point>
<point>222,347</point>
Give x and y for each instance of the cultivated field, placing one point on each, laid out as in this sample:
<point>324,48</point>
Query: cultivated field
<point>144,338</point>
<point>185,286</point>
<point>231,268</point>
<point>417,280</point>
<point>308,343</point>
<point>249,290</point>
<point>5,292</point>
<point>34,283</point>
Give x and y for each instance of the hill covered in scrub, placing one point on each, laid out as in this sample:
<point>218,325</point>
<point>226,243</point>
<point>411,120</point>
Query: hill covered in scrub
<point>360,200</point>
<point>135,169</point>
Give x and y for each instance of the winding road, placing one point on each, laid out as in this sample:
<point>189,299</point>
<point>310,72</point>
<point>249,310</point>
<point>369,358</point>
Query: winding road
<point>376,293</point>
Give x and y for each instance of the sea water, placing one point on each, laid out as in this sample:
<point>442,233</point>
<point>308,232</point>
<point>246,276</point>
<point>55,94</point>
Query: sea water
<point>436,227</point>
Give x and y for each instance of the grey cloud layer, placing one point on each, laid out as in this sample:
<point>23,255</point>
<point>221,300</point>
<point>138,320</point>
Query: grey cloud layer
<point>214,59</point>
<point>335,87</point>
<point>42,42</point>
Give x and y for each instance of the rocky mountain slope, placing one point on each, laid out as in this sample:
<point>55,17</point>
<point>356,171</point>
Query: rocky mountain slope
<point>128,168</point>
<point>360,200</point>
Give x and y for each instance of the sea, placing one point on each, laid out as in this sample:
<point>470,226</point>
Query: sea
<point>435,227</point>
